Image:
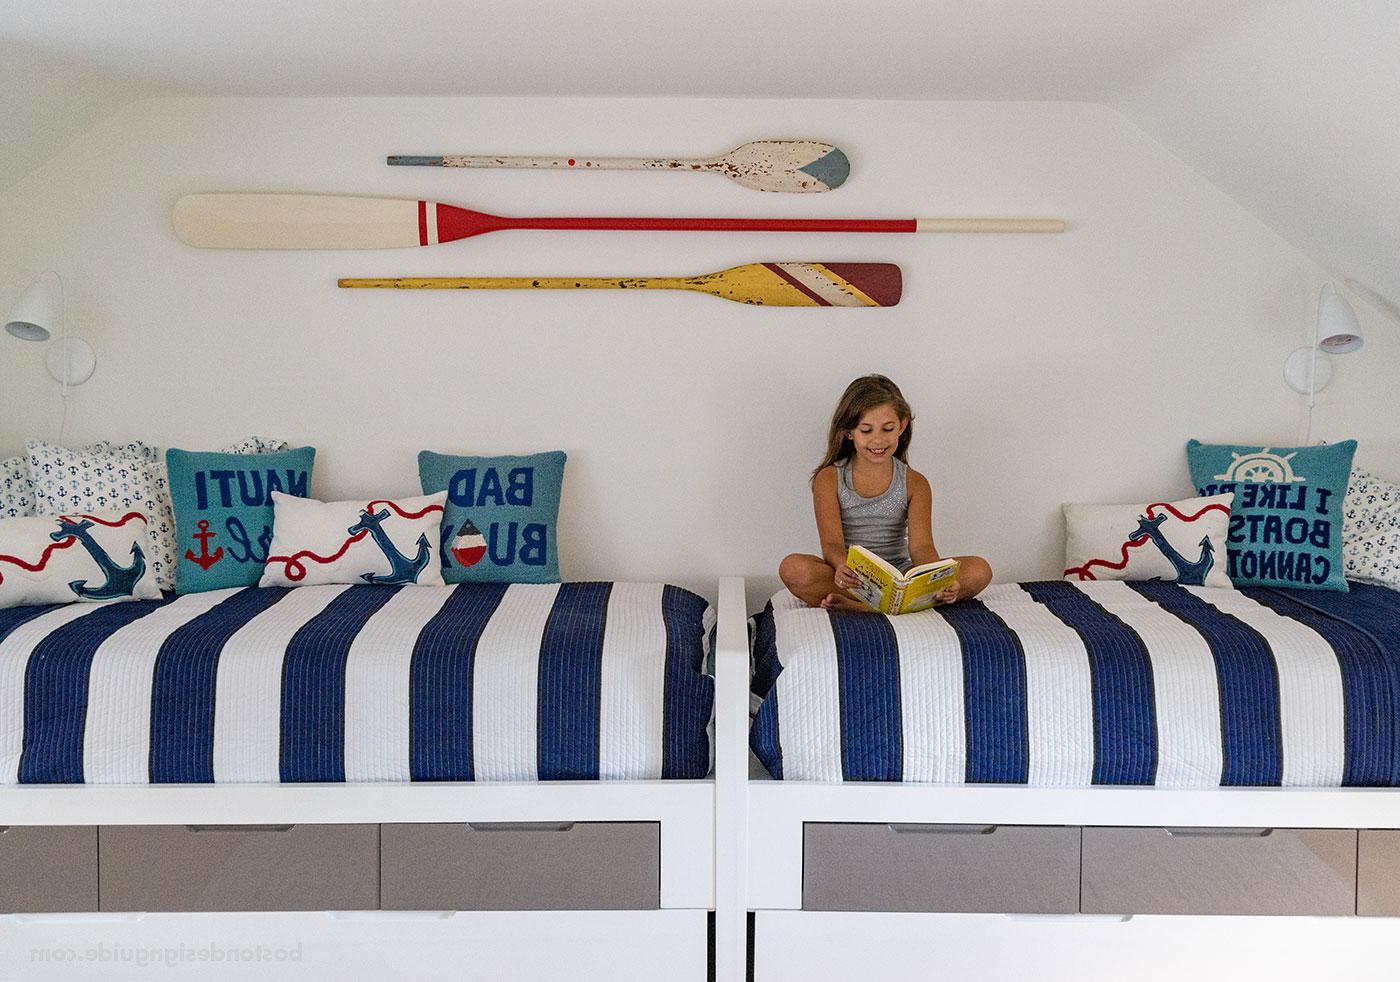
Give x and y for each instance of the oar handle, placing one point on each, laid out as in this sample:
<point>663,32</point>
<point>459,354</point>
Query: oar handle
<point>552,163</point>
<point>1033,225</point>
<point>515,283</point>
<point>717,224</point>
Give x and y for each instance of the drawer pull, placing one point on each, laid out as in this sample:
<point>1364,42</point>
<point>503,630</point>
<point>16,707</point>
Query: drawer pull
<point>240,828</point>
<point>4,829</point>
<point>920,829</point>
<point>1214,833</point>
<point>520,826</point>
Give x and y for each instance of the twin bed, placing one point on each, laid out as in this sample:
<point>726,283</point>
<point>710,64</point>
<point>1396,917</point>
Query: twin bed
<point>523,773</point>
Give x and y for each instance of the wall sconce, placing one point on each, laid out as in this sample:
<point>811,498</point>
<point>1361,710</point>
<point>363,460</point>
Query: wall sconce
<point>36,315</point>
<point>1335,332</point>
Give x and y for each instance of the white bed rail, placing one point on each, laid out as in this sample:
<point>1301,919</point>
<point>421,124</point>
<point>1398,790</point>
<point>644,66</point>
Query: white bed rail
<point>731,781</point>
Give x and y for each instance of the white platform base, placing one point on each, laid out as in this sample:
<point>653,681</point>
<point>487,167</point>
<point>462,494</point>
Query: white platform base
<point>581,946</point>
<point>811,946</point>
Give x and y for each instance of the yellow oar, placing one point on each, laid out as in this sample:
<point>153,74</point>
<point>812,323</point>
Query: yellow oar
<point>764,284</point>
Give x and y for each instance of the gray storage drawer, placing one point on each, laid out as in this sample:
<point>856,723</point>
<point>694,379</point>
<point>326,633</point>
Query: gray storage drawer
<point>521,866</point>
<point>1219,871</point>
<point>48,868</point>
<point>1378,872</point>
<point>239,867</point>
<point>1012,869</point>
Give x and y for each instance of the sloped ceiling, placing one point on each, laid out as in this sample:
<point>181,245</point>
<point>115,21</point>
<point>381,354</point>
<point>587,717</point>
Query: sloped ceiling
<point>1290,106</point>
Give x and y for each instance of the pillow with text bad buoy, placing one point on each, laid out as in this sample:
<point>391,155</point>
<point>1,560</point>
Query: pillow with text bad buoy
<point>60,559</point>
<point>1173,541</point>
<point>393,543</point>
<point>502,515</point>
<point>1286,519</point>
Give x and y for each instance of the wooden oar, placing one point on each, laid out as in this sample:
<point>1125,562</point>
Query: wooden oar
<point>764,284</point>
<point>764,165</point>
<point>324,221</point>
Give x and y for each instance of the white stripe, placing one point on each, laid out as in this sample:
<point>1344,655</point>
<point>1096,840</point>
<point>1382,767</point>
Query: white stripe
<point>506,685</point>
<point>633,684</point>
<point>932,708</point>
<point>14,660</point>
<point>377,679</point>
<point>1059,688</point>
<point>248,687</point>
<point>117,735</point>
<point>430,213</point>
<point>1184,681</point>
<point>821,285</point>
<point>1312,702</point>
<point>809,700</point>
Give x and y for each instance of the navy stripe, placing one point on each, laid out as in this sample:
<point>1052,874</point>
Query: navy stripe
<point>689,698</point>
<point>764,738</point>
<point>867,684</point>
<point>994,693</point>
<point>1121,682</point>
<point>56,691</point>
<point>440,684</point>
<point>1367,694</point>
<point>313,685</point>
<point>12,618</point>
<point>1250,722</point>
<point>182,689</point>
<point>570,682</point>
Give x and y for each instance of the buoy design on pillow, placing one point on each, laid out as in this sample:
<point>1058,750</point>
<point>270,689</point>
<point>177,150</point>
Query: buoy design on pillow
<point>469,545</point>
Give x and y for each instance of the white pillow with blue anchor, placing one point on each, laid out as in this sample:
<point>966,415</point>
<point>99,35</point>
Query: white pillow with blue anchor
<point>60,559</point>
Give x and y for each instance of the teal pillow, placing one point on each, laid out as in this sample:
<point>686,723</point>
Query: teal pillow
<point>223,512</point>
<point>501,518</point>
<point>1286,520</point>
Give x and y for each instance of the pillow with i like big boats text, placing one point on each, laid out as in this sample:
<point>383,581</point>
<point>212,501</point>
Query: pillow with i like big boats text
<point>502,515</point>
<point>60,559</point>
<point>1287,517</point>
<point>381,541</point>
<point>223,512</point>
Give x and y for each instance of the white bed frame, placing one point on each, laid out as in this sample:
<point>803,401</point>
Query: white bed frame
<point>790,943</point>
<point>702,845</point>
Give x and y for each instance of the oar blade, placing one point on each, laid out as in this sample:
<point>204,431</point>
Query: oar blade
<point>792,166</point>
<point>296,221</point>
<point>809,284</point>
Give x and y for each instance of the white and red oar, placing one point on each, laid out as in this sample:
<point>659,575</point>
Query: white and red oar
<point>800,166</point>
<point>324,221</point>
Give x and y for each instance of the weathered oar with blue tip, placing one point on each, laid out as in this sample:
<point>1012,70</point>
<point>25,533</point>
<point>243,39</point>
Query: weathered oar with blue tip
<point>801,166</point>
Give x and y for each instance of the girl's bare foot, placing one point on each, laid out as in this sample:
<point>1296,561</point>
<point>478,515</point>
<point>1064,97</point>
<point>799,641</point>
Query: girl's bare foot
<point>840,601</point>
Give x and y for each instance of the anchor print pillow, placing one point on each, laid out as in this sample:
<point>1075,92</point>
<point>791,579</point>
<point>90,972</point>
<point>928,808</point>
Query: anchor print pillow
<point>502,515</point>
<point>1371,530</point>
<point>378,541</point>
<point>16,493</point>
<point>60,559</point>
<point>1176,541</point>
<point>223,511</point>
<point>1287,517</point>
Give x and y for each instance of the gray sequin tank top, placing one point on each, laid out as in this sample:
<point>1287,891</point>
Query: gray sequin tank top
<point>881,524</point>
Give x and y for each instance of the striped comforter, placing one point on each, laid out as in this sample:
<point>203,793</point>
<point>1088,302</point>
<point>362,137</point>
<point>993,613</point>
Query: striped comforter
<point>478,682</point>
<point>1072,684</point>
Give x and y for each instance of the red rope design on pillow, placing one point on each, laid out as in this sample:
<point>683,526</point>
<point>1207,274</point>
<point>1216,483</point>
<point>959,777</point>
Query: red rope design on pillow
<point>1084,572</point>
<point>66,541</point>
<point>296,569</point>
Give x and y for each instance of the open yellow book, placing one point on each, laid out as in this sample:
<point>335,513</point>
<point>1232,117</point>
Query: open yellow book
<point>889,591</point>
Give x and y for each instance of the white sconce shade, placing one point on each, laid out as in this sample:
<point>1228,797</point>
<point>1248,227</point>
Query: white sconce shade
<point>39,310</point>
<point>1336,331</point>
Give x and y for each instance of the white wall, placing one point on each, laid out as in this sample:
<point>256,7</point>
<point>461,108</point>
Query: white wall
<point>1043,368</point>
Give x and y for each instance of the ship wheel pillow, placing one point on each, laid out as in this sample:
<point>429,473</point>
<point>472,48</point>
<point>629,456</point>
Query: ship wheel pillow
<point>59,559</point>
<point>379,541</point>
<point>1286,520</point>
<point>1177,541</point>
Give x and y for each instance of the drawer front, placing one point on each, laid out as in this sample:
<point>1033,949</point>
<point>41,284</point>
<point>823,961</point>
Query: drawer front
<point>1378,872</point>
<point>1012,869</point>
<point>48,868</point>
<point>239,867</point>
<point>532,866</point>
<point>1219,871</point>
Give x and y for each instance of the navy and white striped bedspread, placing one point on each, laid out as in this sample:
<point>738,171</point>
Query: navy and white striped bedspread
<point>477,682</point>
<point>1072,684</point>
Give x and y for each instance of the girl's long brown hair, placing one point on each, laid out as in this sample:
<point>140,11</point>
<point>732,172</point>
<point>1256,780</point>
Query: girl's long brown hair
<point>861,396</point>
